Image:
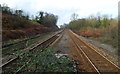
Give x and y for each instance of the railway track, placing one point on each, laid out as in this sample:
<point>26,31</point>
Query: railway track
<point>17,43</point>
<point>96,61</point>
<point>93,60</point>
<point>41,46</point>
<point>8,49</point>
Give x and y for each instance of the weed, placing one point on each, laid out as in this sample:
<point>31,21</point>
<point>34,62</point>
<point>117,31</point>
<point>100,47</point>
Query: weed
<point>47,62</point>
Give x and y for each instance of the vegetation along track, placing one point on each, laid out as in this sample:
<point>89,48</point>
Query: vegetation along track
<point>98,61</point>
<point>9,49</point>
<point>7,66</point>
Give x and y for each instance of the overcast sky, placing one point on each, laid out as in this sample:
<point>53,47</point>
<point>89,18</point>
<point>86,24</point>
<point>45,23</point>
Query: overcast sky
<point>65,8</point>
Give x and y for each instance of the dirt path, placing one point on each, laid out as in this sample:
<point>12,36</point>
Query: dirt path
<point>63,46</point>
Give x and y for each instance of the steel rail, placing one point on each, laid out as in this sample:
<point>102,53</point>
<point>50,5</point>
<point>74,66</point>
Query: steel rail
<point>8,45</point>
<point>94,49</point>
<point>85,56</point>
<point>30,49</point>
<point>50,44</point>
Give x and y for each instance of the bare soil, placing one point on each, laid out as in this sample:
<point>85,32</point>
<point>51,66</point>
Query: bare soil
<point>62,46</point>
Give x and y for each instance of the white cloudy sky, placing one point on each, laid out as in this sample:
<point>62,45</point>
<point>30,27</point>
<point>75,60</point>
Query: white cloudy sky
<point>65,8</point>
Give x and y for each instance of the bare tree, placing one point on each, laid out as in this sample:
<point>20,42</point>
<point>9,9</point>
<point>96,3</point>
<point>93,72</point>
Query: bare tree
<point>74,16</point>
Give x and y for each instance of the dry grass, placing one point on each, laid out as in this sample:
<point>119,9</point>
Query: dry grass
<point>14,27</point>
<point>90,33</point>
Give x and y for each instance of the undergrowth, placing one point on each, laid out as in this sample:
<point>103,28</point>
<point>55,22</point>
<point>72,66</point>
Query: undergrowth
<point>46,61</point>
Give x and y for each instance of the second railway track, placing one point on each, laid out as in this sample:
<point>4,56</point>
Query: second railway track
<point>91,60</point>
<point>42,45</point>
<point>98,61</point>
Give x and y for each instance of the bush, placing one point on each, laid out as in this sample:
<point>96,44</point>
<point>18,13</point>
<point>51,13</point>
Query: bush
<point>46,61</point>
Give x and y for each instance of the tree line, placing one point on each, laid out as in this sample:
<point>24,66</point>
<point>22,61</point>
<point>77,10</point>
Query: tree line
<point>91,22</point>
<point>44,18</point>
<point>47,19</point>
